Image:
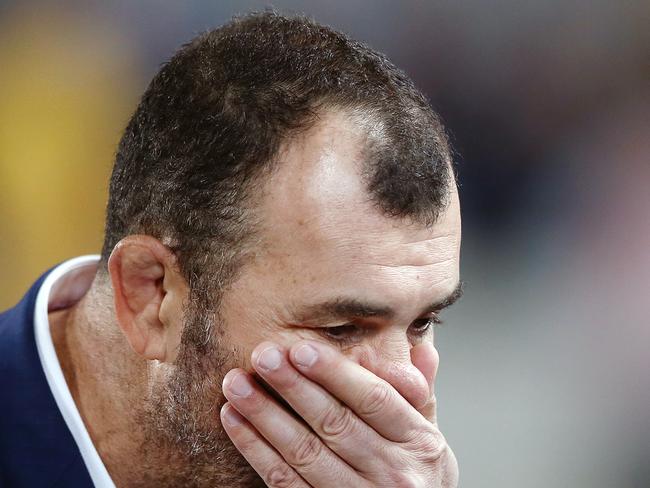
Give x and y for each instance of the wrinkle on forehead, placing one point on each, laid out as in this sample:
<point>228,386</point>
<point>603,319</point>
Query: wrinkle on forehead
<point>414,265</point>
<point>317,217</point>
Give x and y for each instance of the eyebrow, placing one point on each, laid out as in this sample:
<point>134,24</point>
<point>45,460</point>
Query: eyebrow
<point>346,308</point>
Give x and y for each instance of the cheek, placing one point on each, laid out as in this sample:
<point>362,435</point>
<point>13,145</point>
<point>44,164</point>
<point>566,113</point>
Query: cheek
<point>244,339</point>
<point>286,338</point>
<point>362,354</point>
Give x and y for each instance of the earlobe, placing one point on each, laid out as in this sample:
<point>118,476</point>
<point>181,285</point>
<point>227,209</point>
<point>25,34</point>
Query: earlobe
<point>138,267</point>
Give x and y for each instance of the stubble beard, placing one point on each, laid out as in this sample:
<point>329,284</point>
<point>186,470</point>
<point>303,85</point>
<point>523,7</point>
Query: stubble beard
<point>184,442</point>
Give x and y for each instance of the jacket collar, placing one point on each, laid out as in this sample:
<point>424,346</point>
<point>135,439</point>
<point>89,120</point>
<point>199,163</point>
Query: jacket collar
<point>36,446</point>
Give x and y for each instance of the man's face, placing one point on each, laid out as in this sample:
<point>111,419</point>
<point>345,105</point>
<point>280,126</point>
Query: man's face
<point>324,244</point>
<point>328,266</point>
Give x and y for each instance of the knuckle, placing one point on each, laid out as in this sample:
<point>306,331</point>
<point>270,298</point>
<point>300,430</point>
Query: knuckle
<point>432,404</point>
<point>428,444</point>
<point>336,421</point>
<point>376,399</point>
<point>291,381</point>
<point>256,405</point>
<point>305,451</point>
<point>246,444</point>
<point>281,476</point>
<point>403,479</point>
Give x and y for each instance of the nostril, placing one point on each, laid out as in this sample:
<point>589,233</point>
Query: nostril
<point>407,380</point>
<point>414,386</point>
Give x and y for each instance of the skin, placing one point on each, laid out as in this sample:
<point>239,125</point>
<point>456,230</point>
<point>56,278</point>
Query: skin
<point>362,414</point>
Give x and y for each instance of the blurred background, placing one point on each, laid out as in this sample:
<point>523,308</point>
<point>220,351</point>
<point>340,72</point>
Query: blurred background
<point>544,378</point>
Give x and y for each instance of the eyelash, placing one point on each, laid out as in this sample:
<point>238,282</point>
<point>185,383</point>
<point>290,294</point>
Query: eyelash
<point>349,332</point>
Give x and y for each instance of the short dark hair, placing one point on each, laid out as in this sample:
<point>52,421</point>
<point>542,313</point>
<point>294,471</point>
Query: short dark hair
<point>214,116</point>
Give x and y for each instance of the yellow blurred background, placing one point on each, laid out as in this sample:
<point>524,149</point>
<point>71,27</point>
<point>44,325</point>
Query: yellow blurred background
<point>66,92</point>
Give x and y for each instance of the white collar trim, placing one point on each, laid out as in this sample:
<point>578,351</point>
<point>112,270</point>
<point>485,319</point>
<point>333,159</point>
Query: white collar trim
<point>54,374</point>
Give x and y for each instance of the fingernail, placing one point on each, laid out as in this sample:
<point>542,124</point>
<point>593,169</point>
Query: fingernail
<point>240,386</point>
<point>270,359</point>
<point>305,355</point>
<point>232,417</point>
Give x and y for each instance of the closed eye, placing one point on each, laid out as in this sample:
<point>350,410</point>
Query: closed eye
<point>342,330</point>
<point>350,332</point>
<point>422,326</point>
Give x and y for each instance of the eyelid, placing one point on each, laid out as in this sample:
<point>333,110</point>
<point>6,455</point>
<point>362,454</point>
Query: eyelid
<point>344,327</point>
<point>428,323</point>
<point>346,338</point>
<point>356,331</point>
<point>434,316</point>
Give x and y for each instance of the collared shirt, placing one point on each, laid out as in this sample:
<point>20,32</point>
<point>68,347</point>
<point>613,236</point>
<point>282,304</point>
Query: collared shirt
<point>63,287</point>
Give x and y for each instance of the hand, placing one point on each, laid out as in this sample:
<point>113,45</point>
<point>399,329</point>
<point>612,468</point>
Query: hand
<point>356,429</point>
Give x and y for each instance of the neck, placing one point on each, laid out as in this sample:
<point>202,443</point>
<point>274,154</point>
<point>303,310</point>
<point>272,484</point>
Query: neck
<point>112,389</point>
<point>102,377</point>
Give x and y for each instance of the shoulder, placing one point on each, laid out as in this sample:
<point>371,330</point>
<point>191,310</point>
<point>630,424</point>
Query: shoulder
<point>35,445</point>
<point>17,342</point>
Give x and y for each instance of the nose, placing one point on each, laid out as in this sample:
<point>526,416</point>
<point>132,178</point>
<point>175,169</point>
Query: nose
<point>410,369</point>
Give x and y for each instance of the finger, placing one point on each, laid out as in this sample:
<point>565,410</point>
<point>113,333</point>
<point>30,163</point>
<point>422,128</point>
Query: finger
<point>295,442</point>
<point>258,452</point>
<point>372,398</point>
<point>339,427</point>
<point>429,410</point>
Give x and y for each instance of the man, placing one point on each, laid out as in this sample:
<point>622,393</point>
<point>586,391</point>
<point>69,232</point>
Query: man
<point>282,233</point>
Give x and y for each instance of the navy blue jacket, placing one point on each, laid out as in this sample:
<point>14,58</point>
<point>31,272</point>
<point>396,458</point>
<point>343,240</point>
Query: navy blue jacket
<point>36,447</point>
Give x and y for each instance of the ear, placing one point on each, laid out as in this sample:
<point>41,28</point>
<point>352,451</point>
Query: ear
<point>149,293</point>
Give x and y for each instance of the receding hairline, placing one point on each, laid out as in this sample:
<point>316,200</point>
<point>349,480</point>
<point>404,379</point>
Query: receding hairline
<point>368,80</point>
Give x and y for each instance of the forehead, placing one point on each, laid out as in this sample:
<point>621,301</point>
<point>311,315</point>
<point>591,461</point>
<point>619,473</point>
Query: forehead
<point>318,223</point>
